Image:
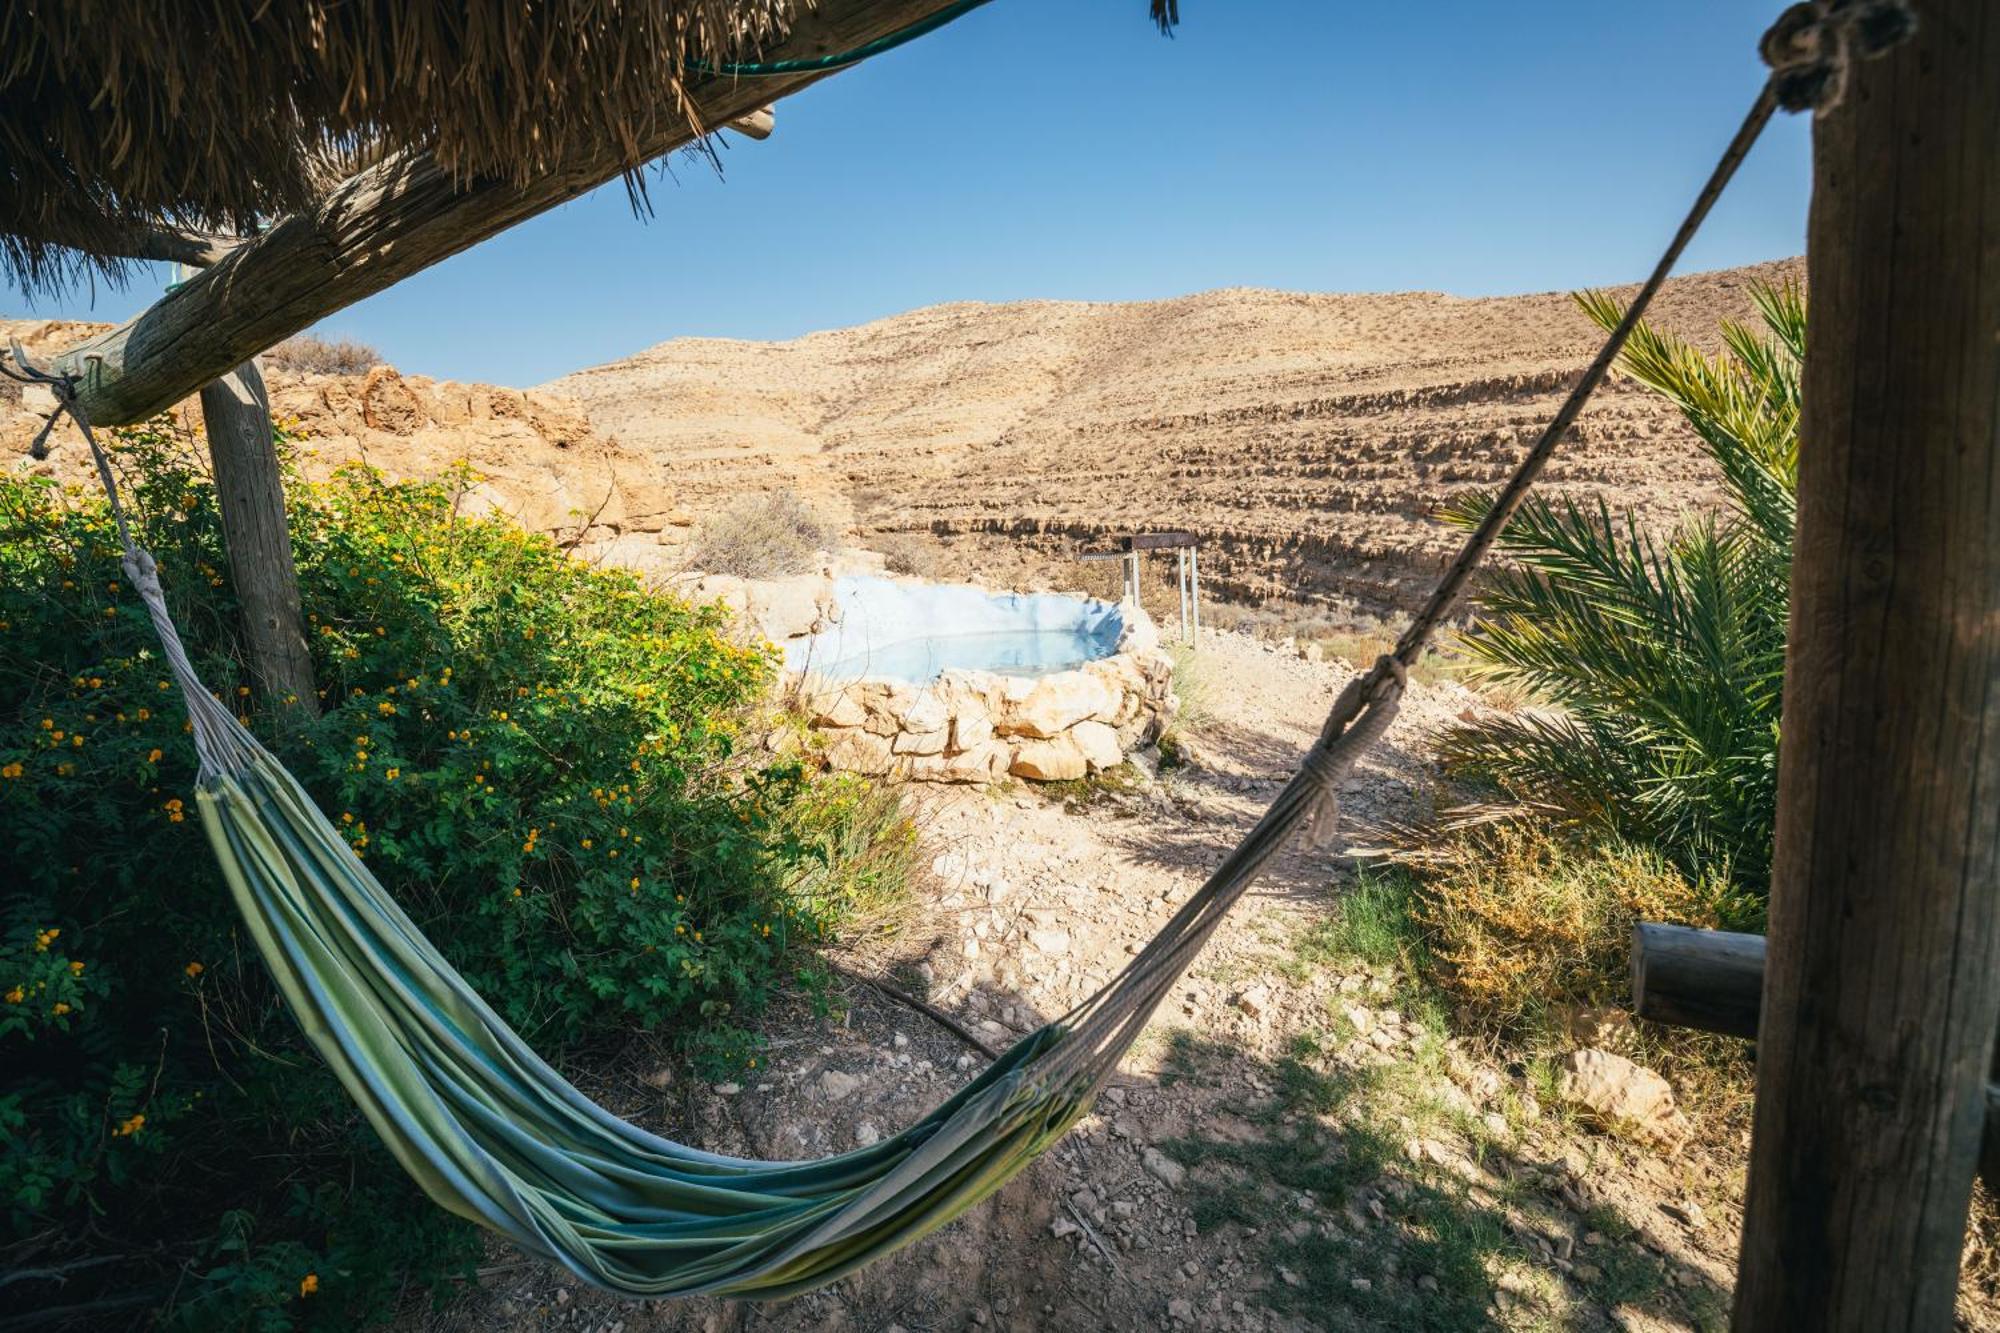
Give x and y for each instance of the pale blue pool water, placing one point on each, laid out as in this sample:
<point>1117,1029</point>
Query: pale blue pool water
<point>1022,652</point>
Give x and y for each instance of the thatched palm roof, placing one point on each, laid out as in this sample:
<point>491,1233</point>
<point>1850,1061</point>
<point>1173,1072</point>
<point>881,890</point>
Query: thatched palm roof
<point>117,115</point>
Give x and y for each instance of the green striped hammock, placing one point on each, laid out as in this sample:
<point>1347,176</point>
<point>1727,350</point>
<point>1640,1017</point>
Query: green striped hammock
<point>496,1135</point>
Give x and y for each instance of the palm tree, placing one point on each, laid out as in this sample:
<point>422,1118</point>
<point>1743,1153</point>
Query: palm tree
<point>1663,662</point>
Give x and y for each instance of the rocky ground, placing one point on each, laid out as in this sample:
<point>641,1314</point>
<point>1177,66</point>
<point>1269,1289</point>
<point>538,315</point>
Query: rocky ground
<point>1298,1141</point>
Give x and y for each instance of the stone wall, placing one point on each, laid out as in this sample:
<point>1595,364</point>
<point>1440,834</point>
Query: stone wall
<point>978,726</point>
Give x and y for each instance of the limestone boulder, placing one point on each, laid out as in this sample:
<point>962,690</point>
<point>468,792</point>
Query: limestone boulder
<point>921,742</point>
<point>830,705</point>
<point>1057,703</point>
<point>1053,759</point>
<point>852,750</point>
<point>1099,745</point>
<point>388,404</point>
<point>970,729</point>
<point>986,762</point>
<point>791,608</point>
<point>1623,1096</point>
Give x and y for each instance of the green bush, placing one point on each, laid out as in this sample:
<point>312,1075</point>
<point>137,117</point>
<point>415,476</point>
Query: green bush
<point>542,761</point>
<point>1665,660</point>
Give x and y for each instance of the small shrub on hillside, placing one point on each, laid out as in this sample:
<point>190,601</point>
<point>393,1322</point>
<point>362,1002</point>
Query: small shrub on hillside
<point>311,354</point>
<point>909,553</point>
<point>762,536</point>
<point>1515,921</point>
<point>540,760</point>
<point>1665,661</point>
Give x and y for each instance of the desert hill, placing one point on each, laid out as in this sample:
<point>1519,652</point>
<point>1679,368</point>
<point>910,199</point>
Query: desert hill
<point>1306,438</point>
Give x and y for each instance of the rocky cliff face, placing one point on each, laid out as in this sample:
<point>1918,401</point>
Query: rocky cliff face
<point>541,460</point>
<point>1305,439</point>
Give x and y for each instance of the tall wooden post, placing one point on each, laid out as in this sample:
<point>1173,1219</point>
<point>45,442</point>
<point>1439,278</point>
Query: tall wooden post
<point>236,412</point>
<point>1883,984</point>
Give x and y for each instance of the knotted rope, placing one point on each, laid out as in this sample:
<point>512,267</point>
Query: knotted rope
<point>1814,43</point>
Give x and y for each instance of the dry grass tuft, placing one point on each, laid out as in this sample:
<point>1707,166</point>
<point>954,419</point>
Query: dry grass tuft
<point>762,536</point>
<point>310,354</point>
<point>1519,921</point>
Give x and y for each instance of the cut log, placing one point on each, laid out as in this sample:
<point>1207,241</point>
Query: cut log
<point>1707,979</point>
<point>395,218</point>
<point>1711,980</point>
<point>1882,992</point>
<point>236,412</point>
<point>757,125</point>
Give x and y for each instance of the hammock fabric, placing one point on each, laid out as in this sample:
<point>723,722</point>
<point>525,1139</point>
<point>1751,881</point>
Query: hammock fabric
<point>494,1134</point>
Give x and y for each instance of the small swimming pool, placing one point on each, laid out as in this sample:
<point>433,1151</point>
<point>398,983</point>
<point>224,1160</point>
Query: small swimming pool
<point>951,683</point>
<point>916,632</point>
<point>1003,652</point>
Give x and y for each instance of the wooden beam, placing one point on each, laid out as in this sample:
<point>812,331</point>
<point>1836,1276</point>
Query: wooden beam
<point>1155,541</point>
<point>1707,979</point>
<point>1712,981</point>
<point>390,220</point>
<point>1882,993</point>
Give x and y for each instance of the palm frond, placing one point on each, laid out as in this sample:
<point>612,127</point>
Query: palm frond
<point>1666,658</point>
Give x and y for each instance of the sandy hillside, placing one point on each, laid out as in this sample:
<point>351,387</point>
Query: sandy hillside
<point>1304,437</point>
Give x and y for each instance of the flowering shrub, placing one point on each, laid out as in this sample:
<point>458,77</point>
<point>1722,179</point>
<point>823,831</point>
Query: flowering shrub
<point>542,761</point>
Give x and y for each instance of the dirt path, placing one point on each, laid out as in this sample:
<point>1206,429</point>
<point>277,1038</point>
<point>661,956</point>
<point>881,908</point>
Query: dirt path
<point>1292,1145</point>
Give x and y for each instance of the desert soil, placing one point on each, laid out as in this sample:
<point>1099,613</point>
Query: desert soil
<point>1291,1145</point>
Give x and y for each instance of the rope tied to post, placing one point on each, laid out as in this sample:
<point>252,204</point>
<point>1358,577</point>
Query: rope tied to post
<point>1814,43</point>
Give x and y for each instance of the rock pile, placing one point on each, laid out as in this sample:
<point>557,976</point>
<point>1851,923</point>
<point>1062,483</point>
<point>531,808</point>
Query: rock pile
<point>980,726</point>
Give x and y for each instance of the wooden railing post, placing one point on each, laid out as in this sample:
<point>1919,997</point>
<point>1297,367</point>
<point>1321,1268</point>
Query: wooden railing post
<point>1882,990</point>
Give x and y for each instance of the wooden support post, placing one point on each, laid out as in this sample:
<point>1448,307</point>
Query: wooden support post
<point>1882,992</point>
<point>1181,587</point>
<point>236,412</point>
<point>1194,587</point>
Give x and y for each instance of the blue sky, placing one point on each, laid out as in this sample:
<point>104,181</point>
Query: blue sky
<point>1060,148</point>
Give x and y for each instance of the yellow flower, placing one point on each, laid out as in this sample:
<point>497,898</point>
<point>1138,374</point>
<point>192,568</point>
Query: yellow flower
<point>47,723</point>
<point>243,690</point>
<point>15,996</point>
<point>174,809</point>
<point>75,968</point>
<point>127,1128</point>
<point>153,756</point>
<point>308,1285</point>
<point>385,708</point>
<point>393,774</point>
<point>76,741</point>
<point>194,969</point>
<point>11,771</point>
<point>145,713</point>
<point>59,1009</point>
